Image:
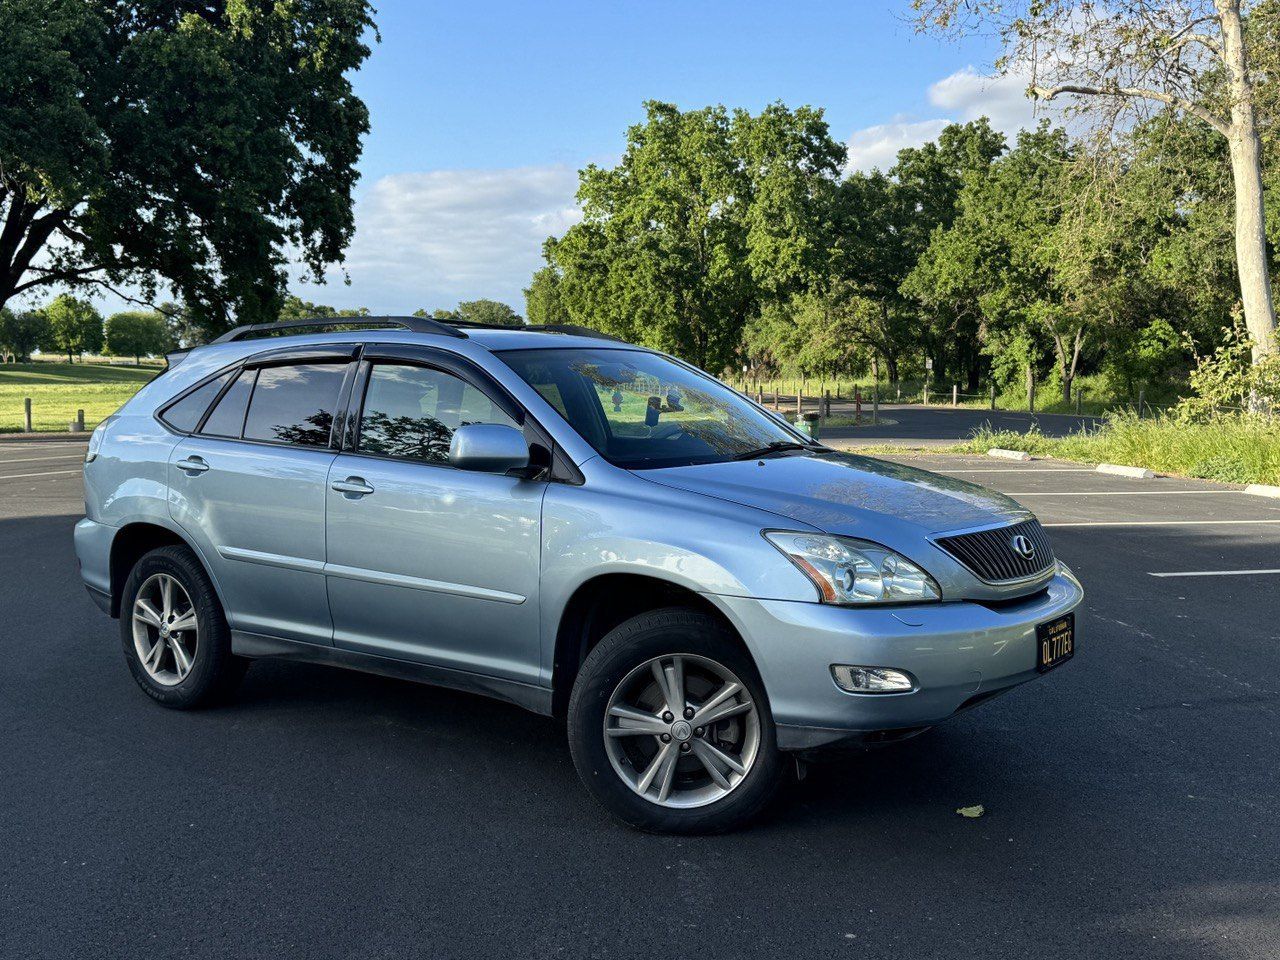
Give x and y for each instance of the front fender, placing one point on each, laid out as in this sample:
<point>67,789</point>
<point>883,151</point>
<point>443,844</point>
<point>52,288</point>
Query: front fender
<point>632,526</point>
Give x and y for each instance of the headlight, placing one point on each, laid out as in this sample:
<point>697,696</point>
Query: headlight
<point>848,571</point>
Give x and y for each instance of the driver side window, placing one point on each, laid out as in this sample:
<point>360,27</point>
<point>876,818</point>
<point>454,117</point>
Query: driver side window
<point>412,412</point>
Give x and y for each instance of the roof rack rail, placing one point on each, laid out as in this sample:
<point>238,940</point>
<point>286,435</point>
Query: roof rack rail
<point>414,324</point>
<point>576,330</point>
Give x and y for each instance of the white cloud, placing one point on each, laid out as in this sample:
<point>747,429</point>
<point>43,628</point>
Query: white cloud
<point>967,95</point>
<point>878,146</point>
<point>431,239</point>
<point>963,96</point>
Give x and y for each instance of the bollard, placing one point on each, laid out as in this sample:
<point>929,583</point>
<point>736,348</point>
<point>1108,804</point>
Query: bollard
<point>79,421</point>
<point>799,404</point>
<point>1079,402</point>
<point>26,412</point>
<point>875,403</point>
<point>1031,396</point>
<point>857,406</point>
<point>759,396</point>
<point>1140,403</point>
<point>993,396</point>
<point>955,395</point>
<point>775,400</point>
<point>826,405</point>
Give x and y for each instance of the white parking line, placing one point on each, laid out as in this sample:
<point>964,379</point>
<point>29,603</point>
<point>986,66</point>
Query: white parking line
<point>1122,493</point>
<point>1213,573</point>
<point>1152,523</point>
<point>47,473</point>
<point>76,456</point>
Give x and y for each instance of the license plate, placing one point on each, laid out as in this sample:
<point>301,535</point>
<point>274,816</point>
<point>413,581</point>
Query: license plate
<point>1055,642</point>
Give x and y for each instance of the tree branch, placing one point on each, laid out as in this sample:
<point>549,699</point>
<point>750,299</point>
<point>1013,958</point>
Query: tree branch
<point>1136,93</point>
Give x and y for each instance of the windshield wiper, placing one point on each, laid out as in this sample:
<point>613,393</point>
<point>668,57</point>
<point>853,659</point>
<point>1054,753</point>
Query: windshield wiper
<point>778,446</point>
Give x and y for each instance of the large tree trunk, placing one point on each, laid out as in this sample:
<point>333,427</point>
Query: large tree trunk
<point>1246,169</point>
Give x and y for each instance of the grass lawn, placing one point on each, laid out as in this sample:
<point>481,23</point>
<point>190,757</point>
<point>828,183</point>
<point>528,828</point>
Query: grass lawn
<point>58,390</point>
<point>1240,449</point>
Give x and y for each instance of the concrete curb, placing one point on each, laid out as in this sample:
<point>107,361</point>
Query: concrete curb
<point>1263,490</point>
<point>64,437</point>
<point>1138,473</point>
<point>1008,454</point>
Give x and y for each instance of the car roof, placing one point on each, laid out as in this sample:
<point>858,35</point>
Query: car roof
<point>256,337</point>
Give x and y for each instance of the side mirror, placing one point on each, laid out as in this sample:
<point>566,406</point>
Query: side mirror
<point>488,448</point>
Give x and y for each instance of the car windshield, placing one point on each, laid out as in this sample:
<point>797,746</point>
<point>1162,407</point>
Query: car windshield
<point>640,409</point>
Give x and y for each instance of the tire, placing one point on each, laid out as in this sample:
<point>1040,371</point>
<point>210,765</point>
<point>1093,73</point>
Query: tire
<point>619,672</point>
<point>211,670</point>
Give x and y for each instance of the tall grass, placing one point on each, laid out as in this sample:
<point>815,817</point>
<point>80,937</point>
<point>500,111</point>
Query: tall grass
<point>1235,449</point>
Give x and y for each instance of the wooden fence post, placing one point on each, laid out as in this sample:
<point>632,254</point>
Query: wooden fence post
<point>993,396</point>
<point>26,414</point>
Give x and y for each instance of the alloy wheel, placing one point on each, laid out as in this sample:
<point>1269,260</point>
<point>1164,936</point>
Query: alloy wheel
<point>165,632</point>
<point>682,731</point>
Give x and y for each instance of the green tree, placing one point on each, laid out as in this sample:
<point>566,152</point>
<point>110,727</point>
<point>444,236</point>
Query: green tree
<point>998,255</point>
<point>194,142</point>
<point>542,300</point>
<point>75,326</point>
<point>487,312</point>
<point>708,218</point>
<point>1200,59</point>
<point>20,333</point>
<point>295,308</point>
<point>135,332</point>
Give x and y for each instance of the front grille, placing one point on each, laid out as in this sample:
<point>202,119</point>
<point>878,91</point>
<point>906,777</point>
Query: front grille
<point>991,555</point>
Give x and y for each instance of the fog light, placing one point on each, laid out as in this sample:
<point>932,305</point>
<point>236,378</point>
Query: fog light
<point>872,679</point>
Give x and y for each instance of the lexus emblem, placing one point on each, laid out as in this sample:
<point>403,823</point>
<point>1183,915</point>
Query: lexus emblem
<point>1023,547</point>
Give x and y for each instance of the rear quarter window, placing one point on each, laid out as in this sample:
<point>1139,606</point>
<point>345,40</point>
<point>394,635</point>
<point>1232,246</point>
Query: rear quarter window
<point>186,413</point>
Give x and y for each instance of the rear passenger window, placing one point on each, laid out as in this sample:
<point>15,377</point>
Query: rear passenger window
<point>227,418</point>
<point>186,413</point>
<point>295,404</point>
<point>412,411</point>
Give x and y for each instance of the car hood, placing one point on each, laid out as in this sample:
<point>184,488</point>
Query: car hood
<point>846,494</point>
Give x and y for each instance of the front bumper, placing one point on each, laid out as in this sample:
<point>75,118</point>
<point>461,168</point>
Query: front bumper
<point>959,653</point>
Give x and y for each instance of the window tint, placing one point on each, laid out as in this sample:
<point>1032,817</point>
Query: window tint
<point>227,419</point>
<point>412,412</point>
<point>186,413</point>
<point>295,404</point>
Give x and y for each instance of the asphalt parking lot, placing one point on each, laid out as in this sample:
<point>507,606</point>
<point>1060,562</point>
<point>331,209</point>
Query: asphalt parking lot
<point>1131,796</point>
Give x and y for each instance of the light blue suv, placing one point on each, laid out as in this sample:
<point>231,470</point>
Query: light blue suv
<point>585,528</point>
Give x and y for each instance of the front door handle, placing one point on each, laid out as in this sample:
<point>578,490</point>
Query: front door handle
<point>192,465</point>
<point>352,486</point>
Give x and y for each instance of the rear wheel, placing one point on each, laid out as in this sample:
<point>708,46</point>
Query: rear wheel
<point>174,633</point>
<point>669,727</point>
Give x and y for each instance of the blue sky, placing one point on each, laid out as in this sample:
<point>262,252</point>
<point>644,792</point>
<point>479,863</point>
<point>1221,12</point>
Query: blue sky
<point>483,111</point>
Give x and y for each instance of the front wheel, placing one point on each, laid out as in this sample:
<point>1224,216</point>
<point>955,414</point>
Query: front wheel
<point>669,726</point>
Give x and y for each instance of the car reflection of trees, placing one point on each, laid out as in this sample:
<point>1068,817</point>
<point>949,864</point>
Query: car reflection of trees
<point>702,417</point>
<point>315,433</point>
<point>417,438</point>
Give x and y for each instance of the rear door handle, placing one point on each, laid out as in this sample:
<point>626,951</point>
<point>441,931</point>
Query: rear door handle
<point>352,486</point>
<point>192,465</point>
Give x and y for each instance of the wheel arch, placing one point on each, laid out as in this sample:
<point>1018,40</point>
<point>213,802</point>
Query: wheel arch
<point>138,538</point>
<point>605,601</point>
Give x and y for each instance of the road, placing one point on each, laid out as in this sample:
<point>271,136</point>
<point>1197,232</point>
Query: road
<point>1131,796</point>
